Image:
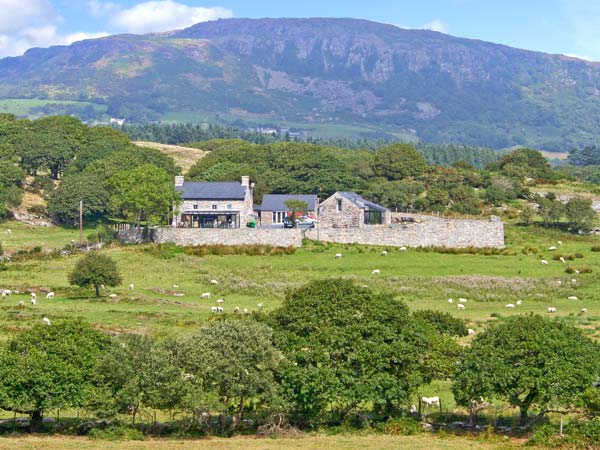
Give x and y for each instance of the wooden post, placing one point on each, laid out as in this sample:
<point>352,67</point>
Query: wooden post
<point>81,222</point>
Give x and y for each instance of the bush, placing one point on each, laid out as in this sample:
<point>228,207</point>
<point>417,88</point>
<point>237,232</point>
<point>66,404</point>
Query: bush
<point>584,269</point>
<point>596,248</point>
<point>117,433</point>
<point>444,323</point>
<point>468,251</point>
<point>247,250</point>
<point>567,257</point>
<point>402,427</point>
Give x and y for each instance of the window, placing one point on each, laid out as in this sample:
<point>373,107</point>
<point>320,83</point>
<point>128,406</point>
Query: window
<point>339,204</point>
<point>229,206</point>
<point>278,216</point>
<point>195,206</point>
<point>214,206</point>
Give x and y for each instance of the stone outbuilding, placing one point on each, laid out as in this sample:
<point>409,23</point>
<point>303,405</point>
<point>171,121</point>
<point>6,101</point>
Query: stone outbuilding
<point>350,210</point>
<point>273,210</point>
<point>213,204</point>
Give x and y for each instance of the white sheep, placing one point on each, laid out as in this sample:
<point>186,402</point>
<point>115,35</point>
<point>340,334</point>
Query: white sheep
<point>509,306</point>
<point>131,287</point>
<point>584,310</point>
<point>544,262</point>
<point>21,304</point>
<point>50,295</point>
<point>3,295</point>
<point>559,242</point>
<point>462,300</point>
<point>551,309</point>
<point>205,295</point>
<point>572,297</point>
<point>220,300</point>
<point>33,301</point>
<point>552,248</point>
<point>8,231</point>
<point>220,309</point>
<point>46,321</point>
<point>213,309</point>
<point>376,272</point>
<point>574,281</point>
<point>237,309</point>
<point>384,253</point>
<point>245,310</point>
<point>450,300</point>
<point>461,306</point>
<point>260,305</point>
<point>402,249</point>
<point>175,286</point>
<point>519,302</point>
<point>577,272</point>
<point>471,331</point>
<point>33,295</point>
<point>214,282</point>
<point>338,256</point>
<point>559,282</point>
<point>113,296</point>
<point>562,260</point>
<point>430,401</point>
<point>412,409</point>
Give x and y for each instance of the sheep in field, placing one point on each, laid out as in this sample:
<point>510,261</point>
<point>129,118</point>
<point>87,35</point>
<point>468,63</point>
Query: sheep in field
<point>220,300</point>
<point>33,301</point>
<point>584,310</point>
<point>131,287</point>
<point>214,282</point>
<point>46,321</point>
<point>450,300</point>
<point>544,262</point>
<point>50,295</point>
<point>470,332</point>
<point>462,300</point>
<point>562,260</point>
<point>572,298</point>
<point>551,309</point>
<point>430,401</point>
<point>519,302</point>
<point>213,309</point>
<point>552,248</point>
<point>384,253</point>
<point>205,295</point>
<point>510,306</point>
<point>338,256</point>
<point>402,249</point>
<point>376,272</point>
<point>461,306</point>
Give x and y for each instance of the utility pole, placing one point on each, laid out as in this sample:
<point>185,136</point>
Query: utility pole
<point>81,222</point>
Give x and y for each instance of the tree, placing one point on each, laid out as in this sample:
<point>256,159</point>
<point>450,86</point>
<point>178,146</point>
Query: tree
<point>399,161</point>
<point>235,359</point>
<point>49,367</point>
<point>550,209</point>
<point>139,372</point>
<point>524,163</point>
<point>346,346</point>
<point>94,270</point>
<point>63,205</point>
<point>144,193</point>
<point>580,213</point>
<point>296,206</point>
<point>528,360</point>
<point>527,214</point>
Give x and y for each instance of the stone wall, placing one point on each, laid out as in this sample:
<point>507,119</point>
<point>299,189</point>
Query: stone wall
<point>433,233</point>
<point>211,236</point>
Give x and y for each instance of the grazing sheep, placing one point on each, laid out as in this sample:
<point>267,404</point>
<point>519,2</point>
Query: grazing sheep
<point>430,401</point>
<point>462,300</point>
<point>245,310</point>
<point>412,409</point>
<point>544,262</point>
<point>562,260</point>
<point>175,286</point>
<point>577,272</point>
<point>205,295</point>
<point>3,295</point>
<point>552,248</point>
<point>237,309</point>
<point>559,242</point>
<point>450,300</point>
<point>364,286</point>
<point>574,281</point>
<point>213,309</point>
<point>113,296</point>
<point>510,306</point>
<point>46,321</point>
<point>33,301</point>
<point>50,295</point>
<point>384,253</point>
<point>376,272</point>
<point>519,302</point>
<point>551,309</point>
<point>8,231</point>
<point>131,287</point>
<point>461,306</point>
<point>559,282</point>
<point>21,304</point>
<point>584,310</point>
<point>471,331</point>
<point>214,282</point>
<point>260,305</point>
<point>33,295</point>
<point>220,300</point>
<point>220,309</point>
<point>402,249</point>
<point>338,256</point>
<point>572,298</point>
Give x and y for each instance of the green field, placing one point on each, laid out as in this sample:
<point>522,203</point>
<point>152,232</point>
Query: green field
<point>22,106</point>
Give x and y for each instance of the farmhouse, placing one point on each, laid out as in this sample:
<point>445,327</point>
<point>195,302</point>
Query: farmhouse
<point>273,210</point>
<point>214,205</point>
<point>350,210</point>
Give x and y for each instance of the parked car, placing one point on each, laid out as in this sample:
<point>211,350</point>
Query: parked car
<point>287,222</point>
<point>301,222</point>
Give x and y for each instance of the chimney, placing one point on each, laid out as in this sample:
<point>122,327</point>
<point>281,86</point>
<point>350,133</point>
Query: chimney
<point>179,179</point>
<point>246,181</point>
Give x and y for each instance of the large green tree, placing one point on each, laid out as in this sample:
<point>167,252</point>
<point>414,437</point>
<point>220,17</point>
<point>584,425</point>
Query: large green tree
<point>95,270</point>
<point>144,193</point>
<point>528,361</point>
<point>49,367</point>
<point>63,205</point>
<point>580,213</point>
<point>399,161</point>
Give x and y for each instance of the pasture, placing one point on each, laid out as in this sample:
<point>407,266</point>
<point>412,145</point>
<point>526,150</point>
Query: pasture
<point>168,283</point>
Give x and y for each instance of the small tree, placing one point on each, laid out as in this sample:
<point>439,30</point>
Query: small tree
<point>296,206</point>
<point>94,270</point>
<point>528,360</point>
<point>580,213</point>
<point>527,214</point>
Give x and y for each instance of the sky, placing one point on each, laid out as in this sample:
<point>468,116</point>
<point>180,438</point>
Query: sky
<point>570,27</point>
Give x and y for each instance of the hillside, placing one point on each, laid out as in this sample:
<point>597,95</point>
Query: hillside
<point>185,157</point>
<point>332,76</point>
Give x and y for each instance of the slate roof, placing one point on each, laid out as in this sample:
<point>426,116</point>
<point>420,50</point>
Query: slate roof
<point>361,202</point>
<point>199,190</point>
<point>276,202</point>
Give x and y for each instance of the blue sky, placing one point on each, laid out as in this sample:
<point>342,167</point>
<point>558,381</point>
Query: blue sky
<point>569,27</point>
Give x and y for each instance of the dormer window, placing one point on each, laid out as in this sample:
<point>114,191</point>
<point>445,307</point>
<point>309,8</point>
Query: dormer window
<point>195,206</point>
<point>214,206</point>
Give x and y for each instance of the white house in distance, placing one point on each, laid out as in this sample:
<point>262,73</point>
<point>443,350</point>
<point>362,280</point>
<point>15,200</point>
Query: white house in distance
<point>214,204</point>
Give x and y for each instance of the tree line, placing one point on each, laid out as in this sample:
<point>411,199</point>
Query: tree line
<point>333,351</point>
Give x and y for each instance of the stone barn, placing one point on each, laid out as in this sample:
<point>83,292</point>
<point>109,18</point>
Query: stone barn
<point>272,211</point>
<point>350,210</point>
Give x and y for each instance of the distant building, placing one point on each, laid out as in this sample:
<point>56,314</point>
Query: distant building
<point>214,204</point>
<point>272,211</point>
<point>119,122</point>
<point>350,210</point>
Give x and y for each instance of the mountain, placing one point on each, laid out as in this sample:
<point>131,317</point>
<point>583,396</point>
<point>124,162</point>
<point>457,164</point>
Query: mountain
<point>331,76</point>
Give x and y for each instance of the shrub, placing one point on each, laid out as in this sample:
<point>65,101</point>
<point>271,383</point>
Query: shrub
<point>444,323</point>
<point>117,433</point>
<point>402,427</point>
<point>596,248</point>
<point>247,250</point>
<point>557,257</point>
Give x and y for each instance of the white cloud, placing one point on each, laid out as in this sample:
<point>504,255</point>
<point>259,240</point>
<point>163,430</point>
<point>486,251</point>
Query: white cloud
<point>101,8</point>
<point>435,25</point>
<point>584,18</point>
<point>19,13</point>
<point>164,15</point>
